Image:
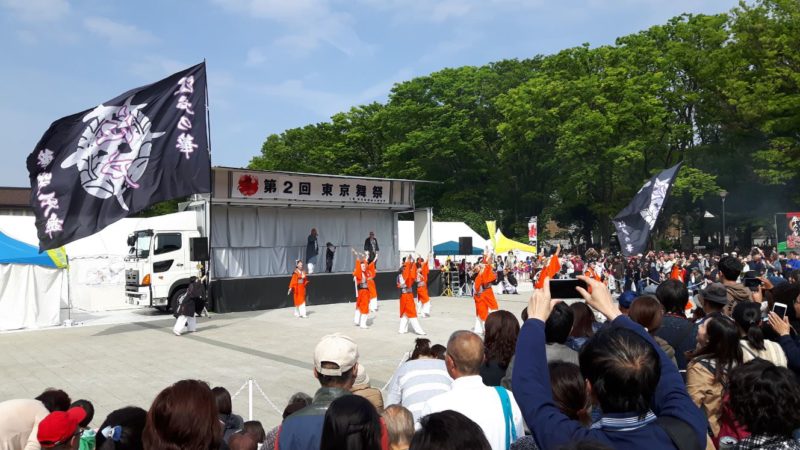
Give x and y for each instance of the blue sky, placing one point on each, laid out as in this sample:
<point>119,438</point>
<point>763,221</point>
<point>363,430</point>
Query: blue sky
<point>273,64</point>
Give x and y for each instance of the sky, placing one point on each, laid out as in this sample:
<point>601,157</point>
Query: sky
<point>274,64</point>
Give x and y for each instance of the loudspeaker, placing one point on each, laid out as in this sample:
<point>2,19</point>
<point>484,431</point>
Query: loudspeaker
<point>198,249</point>
<point>465,245</point>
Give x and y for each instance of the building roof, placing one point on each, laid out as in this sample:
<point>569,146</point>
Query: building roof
<point>16,197</point>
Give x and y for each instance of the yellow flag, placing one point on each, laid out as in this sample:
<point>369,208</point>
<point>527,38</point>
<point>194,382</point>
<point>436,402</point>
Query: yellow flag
<point>59,257</point>
<point>492,226</point>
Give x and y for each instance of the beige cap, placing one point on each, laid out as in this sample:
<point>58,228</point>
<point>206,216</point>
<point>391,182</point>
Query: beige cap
<point>362,379</point>
<point>338,349</point>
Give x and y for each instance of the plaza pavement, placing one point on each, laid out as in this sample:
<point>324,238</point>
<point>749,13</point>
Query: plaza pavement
<point>126,358</point>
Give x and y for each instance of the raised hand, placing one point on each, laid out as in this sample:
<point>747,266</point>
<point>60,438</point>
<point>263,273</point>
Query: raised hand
<point>599,299</point>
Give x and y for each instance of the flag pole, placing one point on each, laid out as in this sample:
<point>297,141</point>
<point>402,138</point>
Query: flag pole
<point>207,205</point>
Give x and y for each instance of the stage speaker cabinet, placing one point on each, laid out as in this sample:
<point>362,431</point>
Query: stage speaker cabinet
<point>465,245</point>
<point>198,249</point>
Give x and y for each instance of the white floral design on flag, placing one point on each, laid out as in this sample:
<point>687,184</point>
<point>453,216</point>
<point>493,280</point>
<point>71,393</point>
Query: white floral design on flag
<point>44,158</point>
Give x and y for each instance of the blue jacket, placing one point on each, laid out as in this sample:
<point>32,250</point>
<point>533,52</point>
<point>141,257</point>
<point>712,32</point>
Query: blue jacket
<point>303,429</point>
<point>551,428</point>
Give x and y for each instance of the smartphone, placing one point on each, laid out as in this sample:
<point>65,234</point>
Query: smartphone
<point>779,309</point>
<point>752,283</point>
<point>564,289</point>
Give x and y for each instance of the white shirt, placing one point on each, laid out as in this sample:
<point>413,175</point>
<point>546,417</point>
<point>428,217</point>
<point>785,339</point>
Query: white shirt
<point>469,396</point>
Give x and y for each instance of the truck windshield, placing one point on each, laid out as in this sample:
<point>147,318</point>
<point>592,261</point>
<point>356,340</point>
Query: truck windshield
<point>143,245</point>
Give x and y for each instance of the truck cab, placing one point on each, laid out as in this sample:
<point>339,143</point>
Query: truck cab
<point>158,267</point>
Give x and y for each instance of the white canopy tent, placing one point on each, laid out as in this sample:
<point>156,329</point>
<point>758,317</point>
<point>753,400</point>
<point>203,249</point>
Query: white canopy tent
<point>96,263</point>
<point>442,232</point>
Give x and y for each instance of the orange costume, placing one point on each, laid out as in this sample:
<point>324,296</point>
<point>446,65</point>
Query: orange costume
<point>362,301</point>
<point>297,286</point>
<point>481,310</point>
<point>422,288</point>
<point>373,291</point>
<point>487,279</point>
<point>676,273</point>
<point>408,309</point>
<point>553,267</point>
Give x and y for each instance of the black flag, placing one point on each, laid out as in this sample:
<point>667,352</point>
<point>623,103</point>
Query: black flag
<point>634,223</point>
<point>95,167</point>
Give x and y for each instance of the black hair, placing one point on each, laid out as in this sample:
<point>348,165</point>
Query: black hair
<point>623,368</point>
<point>449,430</point>
<point>255,429</point>
<point>524,314</point>
<point>748,317</point>
<point>673,295</point>
<point>559,324</point>
<point>422,347</point>
<point>765,398</point>
<point>787,294</point>
<point>223,399</point>
<point>88,407</point>
<point>723,345</point>
<point>131,421</point>
<point>54,400</point>
<point>351,422</point>
<point>297,402</point>
<point>439,351</point>
<point>345,379</point>
<point>730,268</point>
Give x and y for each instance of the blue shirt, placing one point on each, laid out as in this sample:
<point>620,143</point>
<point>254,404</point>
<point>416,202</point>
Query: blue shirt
<point>551,428</point>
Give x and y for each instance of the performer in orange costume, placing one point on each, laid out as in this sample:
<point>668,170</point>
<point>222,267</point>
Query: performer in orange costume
<point>481,309</point>
<point>298,285</point>
<point>408,309</point>
<point>422,286</point>
<point>487,278</point>
<point>372,271</point>
<point>362,288</point>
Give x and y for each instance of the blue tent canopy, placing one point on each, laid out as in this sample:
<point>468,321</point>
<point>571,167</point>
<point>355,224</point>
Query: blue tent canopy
<point>451,248</point>
<point>13,251</point>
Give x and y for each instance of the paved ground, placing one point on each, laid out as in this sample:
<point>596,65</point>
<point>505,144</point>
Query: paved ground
<point>130,361</point>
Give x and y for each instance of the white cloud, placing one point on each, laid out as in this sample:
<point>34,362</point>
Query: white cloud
<point>118,34</point>
<point>312,23</point>
<point>37,10</point>
<point>255,57</point>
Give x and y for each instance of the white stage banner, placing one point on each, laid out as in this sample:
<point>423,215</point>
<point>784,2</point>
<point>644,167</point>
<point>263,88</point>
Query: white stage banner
<point>533,232</point>
<point>309,188</point>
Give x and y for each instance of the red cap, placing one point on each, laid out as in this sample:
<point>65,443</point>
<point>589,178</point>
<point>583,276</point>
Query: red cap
<point>60,426</point>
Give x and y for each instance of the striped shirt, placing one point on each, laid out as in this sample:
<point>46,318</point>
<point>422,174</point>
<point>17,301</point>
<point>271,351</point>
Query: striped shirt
<point>417,381</point>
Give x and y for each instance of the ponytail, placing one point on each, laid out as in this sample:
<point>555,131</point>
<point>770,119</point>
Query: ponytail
<point>422,348</point>
<point>748,317</point>
<point>755,337</point>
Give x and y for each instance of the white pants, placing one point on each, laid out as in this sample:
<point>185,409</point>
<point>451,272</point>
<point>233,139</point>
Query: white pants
<point>310,267</point>
<point>185,321</point>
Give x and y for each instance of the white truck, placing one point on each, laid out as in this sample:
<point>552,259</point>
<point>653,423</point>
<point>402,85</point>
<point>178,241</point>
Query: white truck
<point>158,265</point>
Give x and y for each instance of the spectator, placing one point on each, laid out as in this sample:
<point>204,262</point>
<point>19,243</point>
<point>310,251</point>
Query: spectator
<point>569,396</point>
<point>362,388</point>
<point>231,423</point>
<point>707,374</point>
<point>500,341</point>
<point>335,366</point>
<point>54,400</point>
<point>60,430</point>
<point>625,300</point>
<point>242,441</point>
<point>631,378</point>
<point>713,298</point>
<point>88,407</point>
<point>449,430</point>
<point>400,427</point>
<point>730,268</point>
<point>748,319</point>
<point>297,402</point>
<point>19,422</point>
<point>766,399</point>
<point>438,351</point>
<point>676,329</point>
<point>493,409</point>
<point>418,380</point>
<point>556,331</point>
<point>255,430</point>
<point>167,427</point>
<point>351,422</point>
<point>122,430</point>
<point>583,326</point>
<point>648,312</point>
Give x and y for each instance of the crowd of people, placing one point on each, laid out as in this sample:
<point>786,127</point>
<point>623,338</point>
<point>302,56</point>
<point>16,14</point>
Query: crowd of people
<point>658,368</point>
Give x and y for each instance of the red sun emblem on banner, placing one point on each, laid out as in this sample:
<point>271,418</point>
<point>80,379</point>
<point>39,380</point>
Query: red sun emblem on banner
<point>248,185</point>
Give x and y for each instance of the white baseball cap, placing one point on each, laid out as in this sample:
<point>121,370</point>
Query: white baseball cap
<point>337,349</point>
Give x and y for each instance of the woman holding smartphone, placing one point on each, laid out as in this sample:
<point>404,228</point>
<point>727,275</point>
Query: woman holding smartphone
<point>786,295</point>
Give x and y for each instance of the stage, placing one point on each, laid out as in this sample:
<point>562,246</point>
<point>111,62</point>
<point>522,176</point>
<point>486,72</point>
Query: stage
<point>259,293</point>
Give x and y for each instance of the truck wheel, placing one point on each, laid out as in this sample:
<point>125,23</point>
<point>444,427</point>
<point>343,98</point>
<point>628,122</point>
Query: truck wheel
<point>175,298</point>
<point>162,309</point>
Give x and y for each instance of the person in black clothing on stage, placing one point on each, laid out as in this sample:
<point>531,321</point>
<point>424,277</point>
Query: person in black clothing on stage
<point>330,249</point>
<point>312,250</point>
<point>371,246</point>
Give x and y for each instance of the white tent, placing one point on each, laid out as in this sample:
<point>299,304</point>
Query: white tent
<point>96,263</point>
<point>442,232</point>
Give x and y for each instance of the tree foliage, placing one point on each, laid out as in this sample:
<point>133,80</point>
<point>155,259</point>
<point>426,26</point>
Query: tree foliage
<point>573,135</point>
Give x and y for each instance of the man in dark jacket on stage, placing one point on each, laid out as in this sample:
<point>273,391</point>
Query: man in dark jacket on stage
<point>371,246</point>
<point>312,250</point>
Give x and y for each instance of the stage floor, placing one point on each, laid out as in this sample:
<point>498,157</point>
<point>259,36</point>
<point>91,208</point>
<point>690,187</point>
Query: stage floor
<point>128,363</point>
